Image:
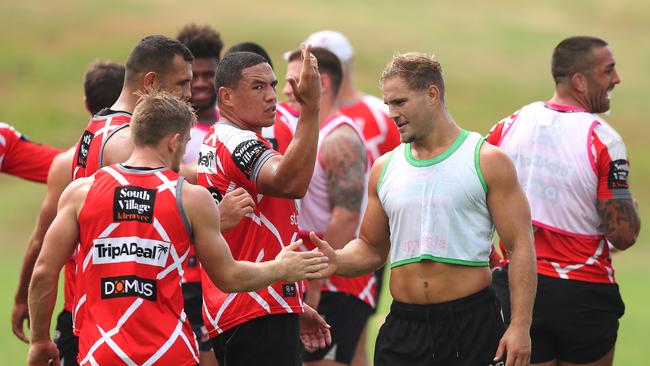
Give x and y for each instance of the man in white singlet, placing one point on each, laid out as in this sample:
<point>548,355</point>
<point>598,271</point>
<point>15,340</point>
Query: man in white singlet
<point>434,202</point>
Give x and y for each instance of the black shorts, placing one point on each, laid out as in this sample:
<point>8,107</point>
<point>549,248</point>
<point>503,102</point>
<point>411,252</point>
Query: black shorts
<point>270,340</point>
<point>466,331</point>
<point>347,315</point>
<point>66,342</point>
<point>193,302</point>
<point>573,321</point>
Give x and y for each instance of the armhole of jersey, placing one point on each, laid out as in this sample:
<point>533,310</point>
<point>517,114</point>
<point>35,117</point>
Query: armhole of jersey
<point>101,148</point>
<point>179,204</point>
<point>383,170</point>
<point>477,163</point>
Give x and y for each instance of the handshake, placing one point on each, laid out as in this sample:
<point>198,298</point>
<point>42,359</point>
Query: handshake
<point>295,265</point>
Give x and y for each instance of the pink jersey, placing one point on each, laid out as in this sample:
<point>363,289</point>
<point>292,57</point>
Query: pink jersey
<point>315,215</point>
<point>134,245</point>
<point>566,160</point>
<point>23,158</point>
<point>232,158</point>
<point>371,115</point>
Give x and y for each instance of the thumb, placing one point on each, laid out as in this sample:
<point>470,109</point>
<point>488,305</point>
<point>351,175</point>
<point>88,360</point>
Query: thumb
<point>500,350</point>
<point>293,246</point>
<point>316,240</point>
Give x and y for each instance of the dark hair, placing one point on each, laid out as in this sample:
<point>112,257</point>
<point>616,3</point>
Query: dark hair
<point>154,53</point>
<point>103,83</point>
<point>418,70</point>
<point>250,47</point>
<point>204,41</point>
<point>574,55</point>
<point>229,69</point>
<point>157,114</point>
<point>328,64</point>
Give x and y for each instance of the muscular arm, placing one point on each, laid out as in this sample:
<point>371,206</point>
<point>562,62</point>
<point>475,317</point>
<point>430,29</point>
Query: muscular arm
<point>289,175</point>
<point>620,222</point>
<point>58,178</point>
<point>511,216</point>
<point>240,276</point>
<point>58,246</point>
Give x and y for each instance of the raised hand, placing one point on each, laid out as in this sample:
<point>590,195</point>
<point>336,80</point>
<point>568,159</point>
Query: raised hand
<point>307,90</point>
<point>234,206</point>
<point>314,331</point>
<point>296,265</point>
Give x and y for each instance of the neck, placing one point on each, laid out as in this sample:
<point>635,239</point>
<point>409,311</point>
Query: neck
<point>126,101</point>
<point>148,157</point>
<point>328,109</point>
<point>440,136</point>
<point>207,116</point>
<point>232,117</point>
<point>564,96</point>
<point>348,93</point>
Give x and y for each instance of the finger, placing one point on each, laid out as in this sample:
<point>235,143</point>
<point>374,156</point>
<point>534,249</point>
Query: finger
<point>20,333</point>
<point>327,334</point>
<point>247,202</point>
<point>294,88</point>
<point>500,349</point>
<point>293,246</point>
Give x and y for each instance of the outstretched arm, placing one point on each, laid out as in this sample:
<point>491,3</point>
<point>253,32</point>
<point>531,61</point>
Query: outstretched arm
<point>58,246</point>
<point>241,276</point>
<point>289,175</point>
<point>58,178</point>
<point>511,215</point>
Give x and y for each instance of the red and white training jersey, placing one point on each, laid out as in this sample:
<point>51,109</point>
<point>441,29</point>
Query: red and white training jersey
<point>90,148</point>
<point>371,115</point>
<point>134,245</point>
<point>282,131</point>
<point>316,214</point>
<point>566,160</point>
<point>231,158</point>
<point>197,135</point>
<point>23,158</point>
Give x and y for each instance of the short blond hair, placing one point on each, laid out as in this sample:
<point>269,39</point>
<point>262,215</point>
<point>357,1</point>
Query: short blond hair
<point>158,114</point>
<point>418,70</point>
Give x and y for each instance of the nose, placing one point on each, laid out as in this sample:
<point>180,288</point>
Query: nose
<point>392,113</point>
<point>287,91</point>
<point>616,79</point>
<point>186,93</point>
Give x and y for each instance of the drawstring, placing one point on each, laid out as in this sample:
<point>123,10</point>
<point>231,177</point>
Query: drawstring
<point>430,332</point>
<point>454,332</point>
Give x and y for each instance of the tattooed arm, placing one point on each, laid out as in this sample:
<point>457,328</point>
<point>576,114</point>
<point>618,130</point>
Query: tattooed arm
<point>619,220</point>
<point>344,160</point>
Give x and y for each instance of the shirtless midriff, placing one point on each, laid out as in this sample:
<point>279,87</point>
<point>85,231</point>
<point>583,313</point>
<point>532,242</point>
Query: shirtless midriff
<point>429,282</point>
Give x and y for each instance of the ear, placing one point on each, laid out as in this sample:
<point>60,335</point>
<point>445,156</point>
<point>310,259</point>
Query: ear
<point>578,82</point>
<point>225,96</point>
<point>175,141</point>
<point>325,84</point>
<point>150,81</point>
<point>433,94</point>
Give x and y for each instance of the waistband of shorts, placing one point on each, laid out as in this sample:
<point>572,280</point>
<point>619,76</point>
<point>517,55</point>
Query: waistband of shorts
<point>441,310</point>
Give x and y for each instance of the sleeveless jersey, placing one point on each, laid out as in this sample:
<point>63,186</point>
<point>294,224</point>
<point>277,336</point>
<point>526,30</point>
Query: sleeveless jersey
<point>316,213</point>
<point>437,208</point>
<point>371,115</point>
<point>23,158</point>
<point>232,158</point>
<point>134,246</point>
<point>197,134</point>
<point>566,159</point>
<point>281,133</point>
<point>87,160</point>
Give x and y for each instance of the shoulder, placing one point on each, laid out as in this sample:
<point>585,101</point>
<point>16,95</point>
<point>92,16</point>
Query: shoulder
<point>60,169</point>
<point>496,166</point>
<point>608,137</point>
<point>75,193</point>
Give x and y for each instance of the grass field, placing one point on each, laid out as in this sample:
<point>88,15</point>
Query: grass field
<point>495,56</point>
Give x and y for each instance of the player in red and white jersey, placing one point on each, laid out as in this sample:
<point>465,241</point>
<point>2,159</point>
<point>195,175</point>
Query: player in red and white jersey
<point>102,85</point>
<point>23,158</point>
<point>574,168</point>
<point>134,223</point>
<point>234,155</point>
<point>286,118</point>
<point>332,208</point>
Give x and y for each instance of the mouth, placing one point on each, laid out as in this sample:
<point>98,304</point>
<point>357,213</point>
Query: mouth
<point>270,109</point>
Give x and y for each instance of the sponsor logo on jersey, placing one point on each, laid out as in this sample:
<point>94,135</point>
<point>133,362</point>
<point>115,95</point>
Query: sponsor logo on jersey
<point>128,286</point>
<point>132,203</point>
<point>247,154</point>
<point>206,159</point>
<point>617,178</point>
<point>216,195</point>
<point>84,146</point>
<point>289,290</point>
<point>130,249</point>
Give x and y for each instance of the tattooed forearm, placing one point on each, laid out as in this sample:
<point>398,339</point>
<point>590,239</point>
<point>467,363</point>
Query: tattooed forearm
<point>619,221</point>
<point>343,156</point>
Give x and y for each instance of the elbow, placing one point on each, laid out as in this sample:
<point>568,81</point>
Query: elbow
<point>294,190</point>
<point>623,242</point>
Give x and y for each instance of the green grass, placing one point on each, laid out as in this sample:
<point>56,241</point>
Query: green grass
<point>495,56</point>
